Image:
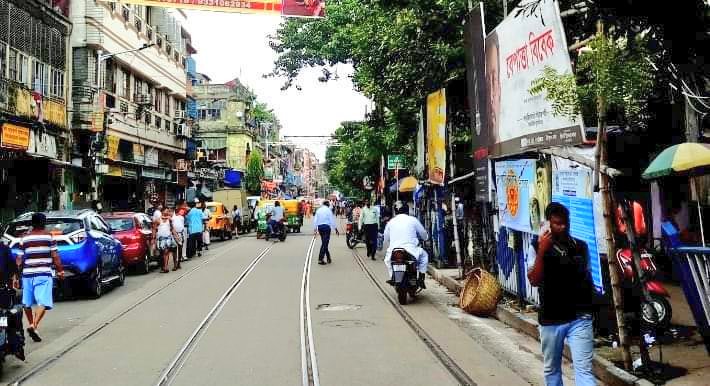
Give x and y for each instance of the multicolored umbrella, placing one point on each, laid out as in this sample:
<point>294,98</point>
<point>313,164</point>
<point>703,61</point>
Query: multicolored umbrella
<point>687,158</point>
<point>684,159</point>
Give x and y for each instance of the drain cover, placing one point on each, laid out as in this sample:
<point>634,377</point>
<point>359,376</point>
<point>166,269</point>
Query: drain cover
<point>338,307</point>
<point>348,323</point>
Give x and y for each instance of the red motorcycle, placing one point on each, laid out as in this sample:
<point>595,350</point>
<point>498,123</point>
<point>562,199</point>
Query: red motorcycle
<point>658,293</point>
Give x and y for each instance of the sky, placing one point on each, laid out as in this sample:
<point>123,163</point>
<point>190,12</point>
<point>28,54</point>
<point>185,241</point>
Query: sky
<point>236,45</point>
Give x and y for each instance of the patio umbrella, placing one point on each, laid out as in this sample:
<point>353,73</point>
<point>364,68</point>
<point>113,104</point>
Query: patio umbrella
<point>687,158</point>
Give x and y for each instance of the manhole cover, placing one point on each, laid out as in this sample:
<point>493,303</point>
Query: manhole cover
<point>338,307</point>
<point>347,323</point>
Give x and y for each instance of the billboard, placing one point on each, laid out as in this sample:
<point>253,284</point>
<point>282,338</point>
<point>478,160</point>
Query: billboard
<point>290,8</point>
<point>515,187</point>
<point>515,54</point>
<point>436,136</point>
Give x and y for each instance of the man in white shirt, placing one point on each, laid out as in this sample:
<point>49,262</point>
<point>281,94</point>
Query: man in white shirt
<point>323,224</point>
<point>405,231</point>
<point>157,212</point>
<point>277,214</point>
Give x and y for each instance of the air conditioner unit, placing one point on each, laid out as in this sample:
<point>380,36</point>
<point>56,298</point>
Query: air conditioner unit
<point>182,130</point>
<point>180,114</point>
<point>144,99</point>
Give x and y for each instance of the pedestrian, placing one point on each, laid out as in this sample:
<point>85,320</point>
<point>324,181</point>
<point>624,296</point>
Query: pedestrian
<point>157,209</point>
<point>9,280</point>
<point>37,254</point>
<point>301,211</point>
<point>194,229</point>
<point>182,209</point>
<point>206,215</point>
<point>566,298</point>
<point>178,221</point>
<point>369,223</point>
<point>236,221</point>
<point>324,224</point>
<point>165,239</point>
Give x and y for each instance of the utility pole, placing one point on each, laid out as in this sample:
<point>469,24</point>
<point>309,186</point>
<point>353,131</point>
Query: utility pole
<point>457,242</point>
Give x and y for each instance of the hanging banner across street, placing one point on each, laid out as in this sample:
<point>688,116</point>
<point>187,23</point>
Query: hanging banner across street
<point>289,8</point>
<point>436,136</point>
<point>516,53</point>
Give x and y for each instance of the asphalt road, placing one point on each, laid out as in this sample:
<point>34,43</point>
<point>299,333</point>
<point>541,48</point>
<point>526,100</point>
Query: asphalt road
<point>237,316</point>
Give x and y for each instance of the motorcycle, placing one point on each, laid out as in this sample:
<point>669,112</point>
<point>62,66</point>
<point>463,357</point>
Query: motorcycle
<point>278,232</point>
<point>405,278</point>
<point>352,238</point>
<point>12,335</point>
<point>659,294</point>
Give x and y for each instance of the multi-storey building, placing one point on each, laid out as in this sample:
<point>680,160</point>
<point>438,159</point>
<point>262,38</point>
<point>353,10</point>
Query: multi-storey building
<point>130,94</point>
<point>34,67</point>
<point>223,134</point>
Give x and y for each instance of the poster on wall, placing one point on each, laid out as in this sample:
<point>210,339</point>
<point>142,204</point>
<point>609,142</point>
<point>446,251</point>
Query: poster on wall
<point>515,187</point>
<point>572,187</point>
<point>436,136</point>
<point>516,53</point>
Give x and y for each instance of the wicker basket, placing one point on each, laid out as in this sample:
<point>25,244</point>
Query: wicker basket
<point>481,293</point>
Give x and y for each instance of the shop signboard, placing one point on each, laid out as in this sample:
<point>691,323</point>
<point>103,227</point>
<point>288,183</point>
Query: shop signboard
<point>112,147</point>
<point>138,153</point>
<point>436,136</point>
<point>572,187</point>
<point>516,53</point>
<point>129,172</point>
<point>181,165</point>
<point>114,171</point>
<point>290,8</point>
<point>395,161</point>
<point>15,137</point>
<point>43,144</point>
<point>151,156</point>
<point>515,184</point>
<point>156,173</point>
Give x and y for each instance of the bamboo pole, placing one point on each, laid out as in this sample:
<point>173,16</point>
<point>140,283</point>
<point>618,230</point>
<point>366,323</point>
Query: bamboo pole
<point>608,204</point>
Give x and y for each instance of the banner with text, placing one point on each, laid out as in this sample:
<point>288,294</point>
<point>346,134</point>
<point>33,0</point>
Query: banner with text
<point>516,53</point>
<point>436,136</point>
<point>515,185</point>
<point>289,8</point>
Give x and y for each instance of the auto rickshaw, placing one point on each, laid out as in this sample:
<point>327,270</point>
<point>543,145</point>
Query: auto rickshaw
<point>291,213</point>
<point>262,222</point>
<point>220,223</point>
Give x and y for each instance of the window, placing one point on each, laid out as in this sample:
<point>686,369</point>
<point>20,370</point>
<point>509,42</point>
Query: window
<point>125,90</point>
<point>98,224</point>
<point>167,105</point>
<point>167,125</point>
<point>158,105</point>
<point>3,62</point>
<point>19,67</point>
<point>158,122</point>
<point>12,65</point>
<point>57,89</point>
<point>39,78</point>
<point>148,119</point>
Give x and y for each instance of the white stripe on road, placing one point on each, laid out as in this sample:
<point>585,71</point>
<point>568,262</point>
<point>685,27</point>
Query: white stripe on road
<point>309,363</point>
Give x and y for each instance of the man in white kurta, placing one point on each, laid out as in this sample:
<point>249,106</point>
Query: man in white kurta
<point>405,231</point>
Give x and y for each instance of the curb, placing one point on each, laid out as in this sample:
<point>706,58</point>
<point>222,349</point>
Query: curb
<point>603,369</point>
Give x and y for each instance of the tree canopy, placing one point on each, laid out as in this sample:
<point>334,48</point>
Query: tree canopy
<point>255,172</point>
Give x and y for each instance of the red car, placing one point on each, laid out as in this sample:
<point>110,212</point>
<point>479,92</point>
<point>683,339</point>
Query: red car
<point>134,231</point>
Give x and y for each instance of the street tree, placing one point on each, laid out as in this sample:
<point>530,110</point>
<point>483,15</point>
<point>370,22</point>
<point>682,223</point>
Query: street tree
<point>255,172</point>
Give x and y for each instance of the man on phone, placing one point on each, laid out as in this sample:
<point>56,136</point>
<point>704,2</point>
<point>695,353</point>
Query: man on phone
<point>566,292</point>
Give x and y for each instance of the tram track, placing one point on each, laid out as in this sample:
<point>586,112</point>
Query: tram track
<point>56,357</point>
<point>309,362</point>
<point>446,361</point>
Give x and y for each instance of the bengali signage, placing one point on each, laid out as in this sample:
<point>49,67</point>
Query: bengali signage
<point>15,137</point>
<point>156,173</point>
<point>129,172</point>
<point>43,144</point>
<point>138,153</point>
<point>572,187</point>
<point>395,161</point>
<point>515,55</point>
<point>114,171</point>
<point>151,156</point>
<point>292,8</point>
<point>112,147</point>
<point>436,136</point>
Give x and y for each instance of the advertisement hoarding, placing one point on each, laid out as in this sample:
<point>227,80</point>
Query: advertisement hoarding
<point>515,187</point>
<point>516,53</point>
<point>289,8</point>
<point>436,136</point>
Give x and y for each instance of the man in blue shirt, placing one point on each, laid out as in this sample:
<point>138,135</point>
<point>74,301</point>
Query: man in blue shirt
<point>277,214</point>
<point>323,223</point>
<point>193,221</point>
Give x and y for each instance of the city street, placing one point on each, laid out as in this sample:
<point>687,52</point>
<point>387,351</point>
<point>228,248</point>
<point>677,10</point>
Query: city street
<point>233,316</point>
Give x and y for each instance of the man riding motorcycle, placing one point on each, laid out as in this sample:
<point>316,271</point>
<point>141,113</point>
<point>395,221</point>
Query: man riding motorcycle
<point>405,231</point>
<point>277,214</point>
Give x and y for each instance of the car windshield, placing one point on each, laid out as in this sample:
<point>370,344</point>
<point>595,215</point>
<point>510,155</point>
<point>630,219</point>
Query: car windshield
<point>120,224</point>
<point>55,226</point>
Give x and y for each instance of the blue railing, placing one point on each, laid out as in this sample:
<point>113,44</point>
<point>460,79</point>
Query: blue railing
<point>693,264</point>
<point>514,262</point>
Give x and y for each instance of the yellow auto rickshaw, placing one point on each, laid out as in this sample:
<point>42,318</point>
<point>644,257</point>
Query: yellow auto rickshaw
<point>291,214</point>
<point>220,223</point>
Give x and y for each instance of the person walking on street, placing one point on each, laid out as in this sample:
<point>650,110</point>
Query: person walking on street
<point>324,224</point>
<point>566,298</point>
<point>206,215</point>
<point>369,223</point>
<point>165,239</point>
<point>236,220</point>
<point>157,212</point>
<point>194,228</point>
<point>182,210</point>
<point>37,253</point>
<point>178,222</point>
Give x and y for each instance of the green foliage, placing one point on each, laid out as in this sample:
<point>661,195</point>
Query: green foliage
<point>255,172</point>
<point>622,75</point>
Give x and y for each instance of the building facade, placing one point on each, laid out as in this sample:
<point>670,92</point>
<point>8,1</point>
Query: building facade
<point>34,70</point>
<point>130,96</point>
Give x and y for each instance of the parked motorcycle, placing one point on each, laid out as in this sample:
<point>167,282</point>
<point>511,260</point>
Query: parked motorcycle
<point>279,231</point>
<point>405,278</point>
<point>352,238</point>
<point>12,335</point>
<point>659,294</point>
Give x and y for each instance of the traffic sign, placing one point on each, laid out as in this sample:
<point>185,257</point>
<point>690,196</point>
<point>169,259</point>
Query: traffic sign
<point>395,161</point>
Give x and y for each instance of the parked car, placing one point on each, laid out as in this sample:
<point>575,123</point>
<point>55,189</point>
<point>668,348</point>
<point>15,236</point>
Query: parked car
<point>88,251</point>
<point>220,224</point>
<point>134,231</point>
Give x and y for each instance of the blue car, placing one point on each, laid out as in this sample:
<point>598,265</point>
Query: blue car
<point>88,251</point>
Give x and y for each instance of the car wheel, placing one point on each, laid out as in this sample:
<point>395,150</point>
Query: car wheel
<point>96,286</point>
<point>145,264</point>
<point>222,235</point>
<point>121,276</point>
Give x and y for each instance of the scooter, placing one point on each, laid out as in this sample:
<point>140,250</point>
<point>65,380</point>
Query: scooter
<point>405,278</point>
<point>352,238</point>
<point>12,334</point>
<point>279,231</point>
<point>659,294</point>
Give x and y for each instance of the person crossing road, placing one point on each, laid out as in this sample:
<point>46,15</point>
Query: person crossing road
<point>324,224</point>
<point>369,222</point>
